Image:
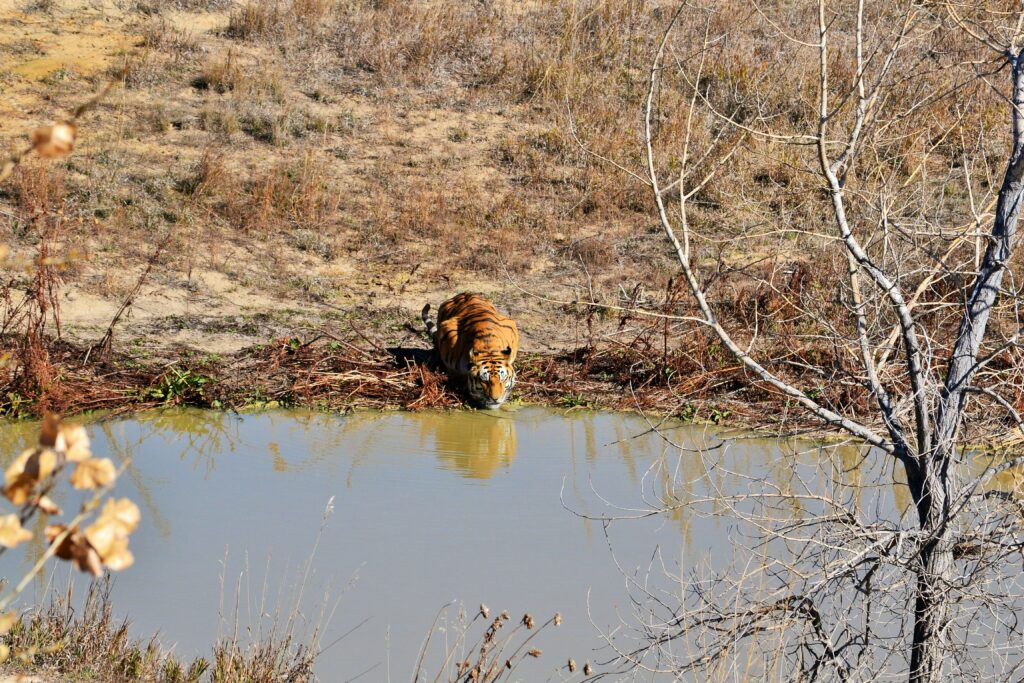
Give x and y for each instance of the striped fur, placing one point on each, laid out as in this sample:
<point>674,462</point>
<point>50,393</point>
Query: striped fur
<point>477,345</point>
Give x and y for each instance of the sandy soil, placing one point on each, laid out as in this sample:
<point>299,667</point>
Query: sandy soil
<point>243,291</point>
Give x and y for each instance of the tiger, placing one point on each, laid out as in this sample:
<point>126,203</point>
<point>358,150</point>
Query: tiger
<point>477,345</point>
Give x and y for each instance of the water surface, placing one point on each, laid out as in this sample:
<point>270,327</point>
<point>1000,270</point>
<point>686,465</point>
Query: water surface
<point>428,508</point>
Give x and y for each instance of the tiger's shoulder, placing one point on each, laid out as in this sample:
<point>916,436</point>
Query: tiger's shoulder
<point>470,325</point>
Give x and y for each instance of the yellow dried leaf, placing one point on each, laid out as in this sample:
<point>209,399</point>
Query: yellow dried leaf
<point>102,535</point>
<point>17,485</point>
<point>18,465</point>
<point>11,531</point>
<point>89,561</point>
<point>54,141</point>
<point>43,464</point>
<point>46,504</point>
<point>123,513</point>
<point>76,548</point>
<point>76,443</point>
<point>5,653</point>
<point>7,621</point>
<point>91,474</point>
<point>110,541</point>
<point>49,431</point>
<point>38,462</point>
<point>27,470</point>
<point>120,557</point>
<point>65,550</point>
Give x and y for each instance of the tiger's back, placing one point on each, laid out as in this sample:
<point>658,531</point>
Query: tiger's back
<point>478,345</point>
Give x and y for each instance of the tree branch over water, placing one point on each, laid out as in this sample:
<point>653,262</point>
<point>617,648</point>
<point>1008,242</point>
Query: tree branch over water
<point>894,87</point>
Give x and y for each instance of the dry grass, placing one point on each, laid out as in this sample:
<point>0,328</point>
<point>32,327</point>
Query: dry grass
<point>87,643</point>
<point>515,181</point>
<point>90,644</point>
<point>491,656</point>
<point>290,196</point>
<point>522,187</point>
<point>643,367</point>
<point>385,138</point>
<point>524,192</point>
<point>31,305</point>
<point>282,21</point>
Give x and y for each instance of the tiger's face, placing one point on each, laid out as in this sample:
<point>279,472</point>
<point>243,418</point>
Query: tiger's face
<point>490,380</point>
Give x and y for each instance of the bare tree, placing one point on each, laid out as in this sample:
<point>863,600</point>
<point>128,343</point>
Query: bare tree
<point>892,140</point>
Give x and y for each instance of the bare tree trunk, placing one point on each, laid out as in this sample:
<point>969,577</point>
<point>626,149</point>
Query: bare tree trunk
<point>933,574</point>
<point>1001,242</point>
<point>930,612</point>
<point>936,480</point>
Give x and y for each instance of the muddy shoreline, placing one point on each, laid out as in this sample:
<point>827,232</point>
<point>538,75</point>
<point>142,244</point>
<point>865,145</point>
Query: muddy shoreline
<point>325,372</point>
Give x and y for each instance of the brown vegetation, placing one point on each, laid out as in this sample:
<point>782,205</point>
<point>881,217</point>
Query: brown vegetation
<point>88,643</point>
<point>357,157</point>
<point>495,653</point>
<point>347,160</point>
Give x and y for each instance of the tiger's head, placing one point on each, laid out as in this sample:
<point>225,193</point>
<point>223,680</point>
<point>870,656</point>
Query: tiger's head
<point>490,378</point>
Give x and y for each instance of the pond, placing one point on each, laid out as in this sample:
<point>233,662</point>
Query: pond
<point>427,508</point>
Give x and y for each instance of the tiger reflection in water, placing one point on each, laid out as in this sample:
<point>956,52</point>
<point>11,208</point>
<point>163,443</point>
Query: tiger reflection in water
<point>476,445</point>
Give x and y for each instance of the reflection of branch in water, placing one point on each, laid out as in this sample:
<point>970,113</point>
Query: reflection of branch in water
<point>625,450</point>
<point>581,500</point>
<point>361,448</point>
<point>207,434</point>
<point>200,437</point>
<point>16,437</point>
<point>323,435</point>
<point>122,451</point>
<point>211,434</point>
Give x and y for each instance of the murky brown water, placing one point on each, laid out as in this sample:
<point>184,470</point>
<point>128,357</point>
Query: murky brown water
<point>427,508</point>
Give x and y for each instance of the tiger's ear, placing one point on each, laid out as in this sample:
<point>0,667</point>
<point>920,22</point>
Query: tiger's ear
<point>507,351</point>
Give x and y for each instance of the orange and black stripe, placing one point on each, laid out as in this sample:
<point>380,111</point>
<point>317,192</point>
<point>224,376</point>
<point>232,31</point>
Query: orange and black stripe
<point>476,343</point>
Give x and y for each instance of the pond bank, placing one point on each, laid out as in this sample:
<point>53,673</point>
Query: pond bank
<point>325,372</point>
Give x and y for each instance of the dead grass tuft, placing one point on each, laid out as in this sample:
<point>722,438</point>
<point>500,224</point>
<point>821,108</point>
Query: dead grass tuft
<point>89,643</point>
<point>180,44</point>
<point>271,660</point>
<point>279,20</point>
<point>289,196</point>
<point>221,74</point>
<point>207,177</point>
<point>421,43</point>
<point>71,642</point>
<point>493,655</point>
<point>31,305</point>
<point>255,19</point>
